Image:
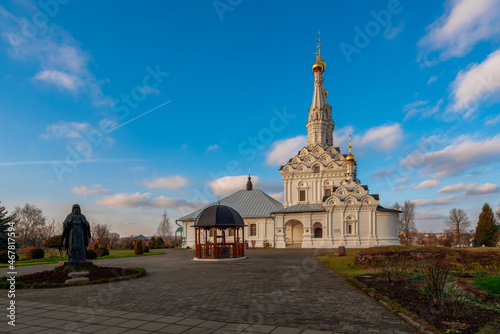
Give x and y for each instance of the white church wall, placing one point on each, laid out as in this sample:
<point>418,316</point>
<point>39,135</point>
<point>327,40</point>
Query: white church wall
<point>387,228</point>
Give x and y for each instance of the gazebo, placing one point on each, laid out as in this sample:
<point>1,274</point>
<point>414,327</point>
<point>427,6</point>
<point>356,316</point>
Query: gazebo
<point>219,234</point>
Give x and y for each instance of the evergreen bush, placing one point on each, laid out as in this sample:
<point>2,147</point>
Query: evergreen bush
<point>102,251</point>
<point>4,256</point>
<point>91,254</point>
<point>138,247</point>
<point>36,253</point>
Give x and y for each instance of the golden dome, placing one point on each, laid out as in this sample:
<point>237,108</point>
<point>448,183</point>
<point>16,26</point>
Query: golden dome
<point>326,93</point>
<point>318,66</point>
<point>350,158</point>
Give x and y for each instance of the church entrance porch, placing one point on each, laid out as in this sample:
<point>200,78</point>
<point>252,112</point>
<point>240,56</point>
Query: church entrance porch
<point>293,233</point>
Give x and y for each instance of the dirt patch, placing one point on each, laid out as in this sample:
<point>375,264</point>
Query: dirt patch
<point>465,318</point>
<point>50,276</point>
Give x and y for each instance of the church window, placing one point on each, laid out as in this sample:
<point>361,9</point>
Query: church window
<point>328,192</point>
<point>253,230</point>
<point>316,169</point>
<point>302,195</point>
<point>349,229</point>
<point>318,232</point>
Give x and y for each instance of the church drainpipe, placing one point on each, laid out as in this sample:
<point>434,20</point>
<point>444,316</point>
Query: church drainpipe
<point>181,233</point>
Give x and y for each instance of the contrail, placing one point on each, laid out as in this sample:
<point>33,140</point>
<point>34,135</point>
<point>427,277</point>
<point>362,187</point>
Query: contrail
<point>133,119</point>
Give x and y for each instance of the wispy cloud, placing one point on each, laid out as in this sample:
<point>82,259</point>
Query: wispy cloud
<point>61,61</point>
<point>436,201</point>
<point>465,23</point>
<point>149,91</point>
<point>382,173</point>
<point>464,153</point>
<point>96,189</point>
<point>492,121</point>
<point>427,184</point>
<point>282,150</point>
<point>391,32</point>
<point>170,182</point>
<point>212,147</point>
<point>421,109</point>
<point>457,187</point>
<point>133,200</point>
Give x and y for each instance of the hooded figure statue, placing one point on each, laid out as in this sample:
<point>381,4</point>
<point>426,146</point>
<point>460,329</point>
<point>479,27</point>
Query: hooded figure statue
<point>76,235</point>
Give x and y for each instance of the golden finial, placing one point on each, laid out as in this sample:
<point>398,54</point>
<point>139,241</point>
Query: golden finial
<point>319,65</point>
<point>350,157</point>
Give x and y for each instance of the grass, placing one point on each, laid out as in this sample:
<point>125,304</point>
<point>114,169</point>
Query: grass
<point>53,257</point>
<point>490,284</point>
<point>344,265</point>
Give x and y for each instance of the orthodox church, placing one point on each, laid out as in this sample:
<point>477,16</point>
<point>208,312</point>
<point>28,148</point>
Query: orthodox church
<point>324,205</point>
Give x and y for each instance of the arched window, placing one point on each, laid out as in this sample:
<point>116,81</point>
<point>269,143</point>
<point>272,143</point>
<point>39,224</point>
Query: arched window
<point>328,192</point>
<point>318,230</point>
<point>302,195</point>
<point>316,169</point>
<point>253,230</point>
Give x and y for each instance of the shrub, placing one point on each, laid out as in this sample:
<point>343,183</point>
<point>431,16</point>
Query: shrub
<point>159,243</point>
<point>138,247</point>
<point>36,253</point>
<point>102,251</point>
<point>55,242</point>
<point>91,254</point>
<point>96,246</point>
<point>145,249</point>
<point>4,256</point>
<point>151,242</point>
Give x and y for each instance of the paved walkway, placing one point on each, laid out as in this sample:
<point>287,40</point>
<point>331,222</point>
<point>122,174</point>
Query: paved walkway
<point>273,291</point>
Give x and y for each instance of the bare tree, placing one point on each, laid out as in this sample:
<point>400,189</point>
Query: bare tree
<point>99,232</point>
<point>408,221</point>
<point>397,206</point>
<point>164,228</point>
<point>52,228</point>
<point>30,225</point>
<point>458,223</point>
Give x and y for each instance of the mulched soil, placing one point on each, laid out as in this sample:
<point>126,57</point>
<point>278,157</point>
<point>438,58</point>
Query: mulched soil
<point>52,277</point>
<point>466,319</point>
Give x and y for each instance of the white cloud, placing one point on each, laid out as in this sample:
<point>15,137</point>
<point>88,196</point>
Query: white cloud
<point>383,137</point>
<point>457,187</point>
<point>149,91</point>
<point>382,173</point>
<point>465,23</point>
<point>402,180</point>
<point>282,150</point>
<point>391,32</point>
<point>492,120</point>
<point>61,62</point>
<point>463,154</point>
<point>63,129</point>
<point>94,190</point>
<point>280,196</point>
<point>124,200</point>
<point>169,182</point>
<point>483,189</point>
<point>478,84</point>
<point>427,216</point>
<point>422,108</point>
<point>427,184</point>
<point>435,201</point>
<point>212,147</point>
<point>227,185</point>
<point>432,79</point>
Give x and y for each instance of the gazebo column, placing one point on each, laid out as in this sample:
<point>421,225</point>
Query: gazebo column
<point>216,255</point>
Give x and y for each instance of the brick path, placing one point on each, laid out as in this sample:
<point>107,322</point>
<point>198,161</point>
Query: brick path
<point>278,291</point>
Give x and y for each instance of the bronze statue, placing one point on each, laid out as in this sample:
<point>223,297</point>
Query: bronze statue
<point>76,235</point>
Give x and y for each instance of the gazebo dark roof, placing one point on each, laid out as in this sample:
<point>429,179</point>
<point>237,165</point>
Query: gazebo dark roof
<point>219,216</point>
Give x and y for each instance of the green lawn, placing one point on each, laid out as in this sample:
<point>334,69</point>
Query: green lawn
<point>344,265</point>
<point>53,257</point>
<point>490,284</point>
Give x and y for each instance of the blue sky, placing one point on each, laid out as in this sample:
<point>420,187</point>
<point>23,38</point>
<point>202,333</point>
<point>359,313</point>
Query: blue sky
<point>129,108</point>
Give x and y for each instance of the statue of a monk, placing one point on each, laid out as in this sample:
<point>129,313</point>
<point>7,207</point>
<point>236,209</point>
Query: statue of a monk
<point>76,235</point>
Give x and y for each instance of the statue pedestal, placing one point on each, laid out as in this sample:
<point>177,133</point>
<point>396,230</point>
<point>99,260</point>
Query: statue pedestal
<point>75,264</point>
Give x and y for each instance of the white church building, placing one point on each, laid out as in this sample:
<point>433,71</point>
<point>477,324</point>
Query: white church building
<point>324,205</point>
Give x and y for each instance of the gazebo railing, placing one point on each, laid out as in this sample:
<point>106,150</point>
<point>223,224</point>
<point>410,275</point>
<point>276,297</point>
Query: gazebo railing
<point>219,251</point>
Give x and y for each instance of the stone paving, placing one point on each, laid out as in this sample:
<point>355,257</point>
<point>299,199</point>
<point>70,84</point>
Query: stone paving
<point>273,291</point>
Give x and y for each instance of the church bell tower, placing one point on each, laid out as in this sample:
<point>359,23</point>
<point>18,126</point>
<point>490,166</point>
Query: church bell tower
<point>320,124</point>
